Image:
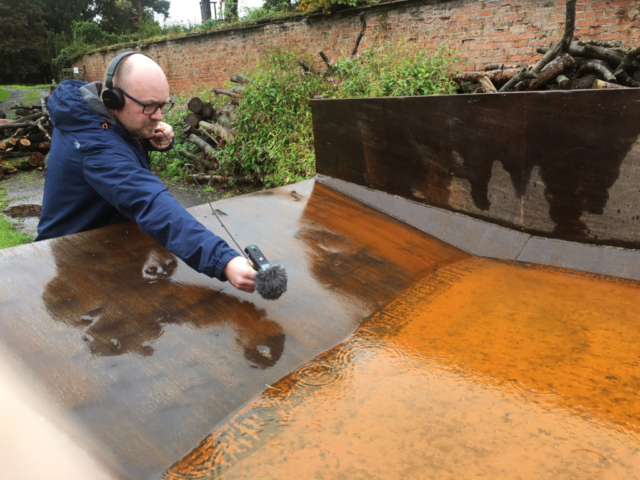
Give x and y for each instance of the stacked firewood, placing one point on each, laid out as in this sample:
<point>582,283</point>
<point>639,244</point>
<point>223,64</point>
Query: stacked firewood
<point>566,65</point>
<point>25,142</point>
<point>209,128</point>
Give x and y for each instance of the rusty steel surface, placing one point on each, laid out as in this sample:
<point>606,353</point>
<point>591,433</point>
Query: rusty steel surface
<point>149,356</point>
<point>482,369</point>
<point>562,164</point>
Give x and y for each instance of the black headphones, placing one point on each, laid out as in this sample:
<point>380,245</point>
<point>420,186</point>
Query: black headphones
<point>113,98</point>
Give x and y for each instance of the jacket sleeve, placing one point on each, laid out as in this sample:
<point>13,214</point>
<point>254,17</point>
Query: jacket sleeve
<point>139,195</point>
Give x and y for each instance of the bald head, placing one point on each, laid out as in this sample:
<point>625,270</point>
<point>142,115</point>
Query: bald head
<point>144,86</point>
<point>137,68</point>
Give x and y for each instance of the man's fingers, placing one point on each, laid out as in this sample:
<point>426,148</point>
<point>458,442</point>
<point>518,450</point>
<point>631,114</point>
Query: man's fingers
<point>241,274</point>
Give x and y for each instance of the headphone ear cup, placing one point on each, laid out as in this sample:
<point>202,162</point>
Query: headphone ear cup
<point>113,98</point>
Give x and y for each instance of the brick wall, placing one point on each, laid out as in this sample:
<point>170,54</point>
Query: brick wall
<point>503,31</point>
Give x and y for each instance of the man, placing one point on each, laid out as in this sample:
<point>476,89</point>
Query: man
<point>98,172</point>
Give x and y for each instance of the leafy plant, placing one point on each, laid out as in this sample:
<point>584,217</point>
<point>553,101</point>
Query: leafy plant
<point>4,95</point>
<point>274,141</point>
<point>273,123</point>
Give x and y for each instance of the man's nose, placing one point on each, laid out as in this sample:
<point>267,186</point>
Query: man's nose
<point>157,115</point>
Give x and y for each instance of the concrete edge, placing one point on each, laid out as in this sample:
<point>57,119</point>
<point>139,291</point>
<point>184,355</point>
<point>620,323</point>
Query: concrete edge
<point>486,239</point>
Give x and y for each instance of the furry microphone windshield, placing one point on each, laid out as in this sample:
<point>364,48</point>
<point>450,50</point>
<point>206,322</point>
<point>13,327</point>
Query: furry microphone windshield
<point>271,280</point>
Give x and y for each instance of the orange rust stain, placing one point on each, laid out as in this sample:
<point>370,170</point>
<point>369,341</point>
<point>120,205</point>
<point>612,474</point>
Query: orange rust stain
<point>484,369</point>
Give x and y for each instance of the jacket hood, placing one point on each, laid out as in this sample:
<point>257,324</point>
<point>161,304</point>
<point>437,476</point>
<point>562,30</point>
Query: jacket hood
<point>75,104</point>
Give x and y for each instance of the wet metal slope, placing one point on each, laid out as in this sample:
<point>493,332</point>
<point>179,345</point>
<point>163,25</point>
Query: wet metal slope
<point>482,369</point>
<point>149,356</point>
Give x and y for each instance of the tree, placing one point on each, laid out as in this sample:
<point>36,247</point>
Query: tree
<point>60,14</point>
<point>123,16</point>
<point>23,43</point>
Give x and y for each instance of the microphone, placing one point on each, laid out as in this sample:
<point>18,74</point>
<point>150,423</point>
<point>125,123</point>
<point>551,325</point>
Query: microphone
<point>271,280</point>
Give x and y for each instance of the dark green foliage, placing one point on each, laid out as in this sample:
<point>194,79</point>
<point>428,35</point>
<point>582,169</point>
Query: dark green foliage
<point>23,42</point>
<point>274,136</point>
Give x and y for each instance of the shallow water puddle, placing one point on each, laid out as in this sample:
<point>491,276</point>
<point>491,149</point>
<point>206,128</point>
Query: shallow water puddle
<point>484,369</point>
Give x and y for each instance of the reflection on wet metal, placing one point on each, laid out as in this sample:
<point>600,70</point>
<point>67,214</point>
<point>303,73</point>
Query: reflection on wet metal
<point>149,356</point>
<point>482,369</point>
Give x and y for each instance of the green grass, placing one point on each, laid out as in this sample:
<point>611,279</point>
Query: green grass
<point>26,87</point>
<point>4,95</point>
<point>30,95</point>
<point>8,236</point>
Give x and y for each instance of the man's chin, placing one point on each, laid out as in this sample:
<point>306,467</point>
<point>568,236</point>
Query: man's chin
<point>147,132</point>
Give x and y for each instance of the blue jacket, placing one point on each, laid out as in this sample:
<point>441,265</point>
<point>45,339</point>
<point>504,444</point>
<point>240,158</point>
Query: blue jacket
<point>99,175</point>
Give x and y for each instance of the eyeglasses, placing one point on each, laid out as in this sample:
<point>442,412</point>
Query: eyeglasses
<point>151,108</point>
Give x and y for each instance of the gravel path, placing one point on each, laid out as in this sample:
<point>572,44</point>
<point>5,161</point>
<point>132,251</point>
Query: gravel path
<point>18,97</point>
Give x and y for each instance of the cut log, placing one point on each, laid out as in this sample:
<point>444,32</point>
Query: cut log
<point>305,66</point>
<point>561,64</point>
<point>3,145</point>
<point>243,80</point>
<point>496,76</point>
<point>42,129</point>
<point>43,146</point>
<point>19,162</point>
<point>326,60</point>
<point>598,67</point>
<point>583,83</point>
<point>195,105</point>
<point>219,91</point>
<point>12,141</point>
<point>37,137</point>
<point>219,129</point>
<point>486,85</point>
<point>202,145</point>
<point>468,87</point>
<point>237,89</point>
<point>194,158</point>
<point>13,125</point>
<point>524,74</point>
<point>24,145</point>
<point>207,111</point>
<point>36,159</point>
<point>197,161</point>
<point>192,119</point>
<point>28,118</point>
<point>612,56</point>
<point>563,81</point>
<point>621,75</point>
<point>559,47</point>
<point>606,85</point>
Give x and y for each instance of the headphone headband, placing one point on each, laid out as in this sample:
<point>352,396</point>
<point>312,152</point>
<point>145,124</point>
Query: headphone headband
<point>111,70</point>
<point>113,98</point>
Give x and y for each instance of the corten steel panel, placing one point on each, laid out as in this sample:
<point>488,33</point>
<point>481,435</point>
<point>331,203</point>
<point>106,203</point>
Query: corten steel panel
<point>484,369</point>
<point>149,356</point>
<point>558,164</point>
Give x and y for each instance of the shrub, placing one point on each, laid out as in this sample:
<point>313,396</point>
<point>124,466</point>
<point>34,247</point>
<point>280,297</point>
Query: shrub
<point>274,135</point>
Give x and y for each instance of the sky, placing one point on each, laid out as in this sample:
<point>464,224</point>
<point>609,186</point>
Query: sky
<point>189,10</point>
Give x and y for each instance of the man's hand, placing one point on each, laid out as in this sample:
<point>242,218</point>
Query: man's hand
<point>240,273</point>
<point>159,141</point>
